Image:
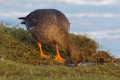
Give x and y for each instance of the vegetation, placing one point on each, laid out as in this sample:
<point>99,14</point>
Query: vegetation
<point>86,46</point>
<point>10,70</point>
<point>19,59</point>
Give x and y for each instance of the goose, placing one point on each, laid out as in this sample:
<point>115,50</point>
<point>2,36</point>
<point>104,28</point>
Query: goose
<point>52,26</point>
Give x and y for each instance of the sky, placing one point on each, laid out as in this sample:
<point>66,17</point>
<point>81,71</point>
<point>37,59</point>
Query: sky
<point>99,19</point>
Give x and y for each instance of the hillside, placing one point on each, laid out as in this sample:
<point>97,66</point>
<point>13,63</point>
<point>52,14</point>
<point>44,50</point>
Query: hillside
<point>19,59</point>
<point>20,46</point>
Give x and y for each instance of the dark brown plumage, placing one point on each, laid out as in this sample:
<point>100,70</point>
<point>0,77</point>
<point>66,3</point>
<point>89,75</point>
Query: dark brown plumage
<point>51,26</point>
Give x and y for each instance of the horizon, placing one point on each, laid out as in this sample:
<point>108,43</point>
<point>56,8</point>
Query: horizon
<point>99,19</point>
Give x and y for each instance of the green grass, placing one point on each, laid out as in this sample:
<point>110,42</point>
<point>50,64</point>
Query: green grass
<point>10,70</point>
<point>19,60</point>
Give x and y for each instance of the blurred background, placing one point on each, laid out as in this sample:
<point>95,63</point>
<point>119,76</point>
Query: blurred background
<point>99,19</point>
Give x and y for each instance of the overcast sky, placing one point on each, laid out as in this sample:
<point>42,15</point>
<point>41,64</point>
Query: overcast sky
<point>99,19</point>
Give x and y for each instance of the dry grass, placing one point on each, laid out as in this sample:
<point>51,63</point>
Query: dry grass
<point>19,60</point>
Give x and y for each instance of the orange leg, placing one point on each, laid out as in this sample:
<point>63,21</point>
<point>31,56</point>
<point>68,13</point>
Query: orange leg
<point>58,58</point>
<point>42,55</point>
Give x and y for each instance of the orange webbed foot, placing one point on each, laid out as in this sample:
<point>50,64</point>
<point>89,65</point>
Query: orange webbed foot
<point>59,59</point>
<point>42,55</point>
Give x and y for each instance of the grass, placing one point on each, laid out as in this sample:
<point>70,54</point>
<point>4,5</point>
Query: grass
<point>19,60</point>
<point>10,70</point>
